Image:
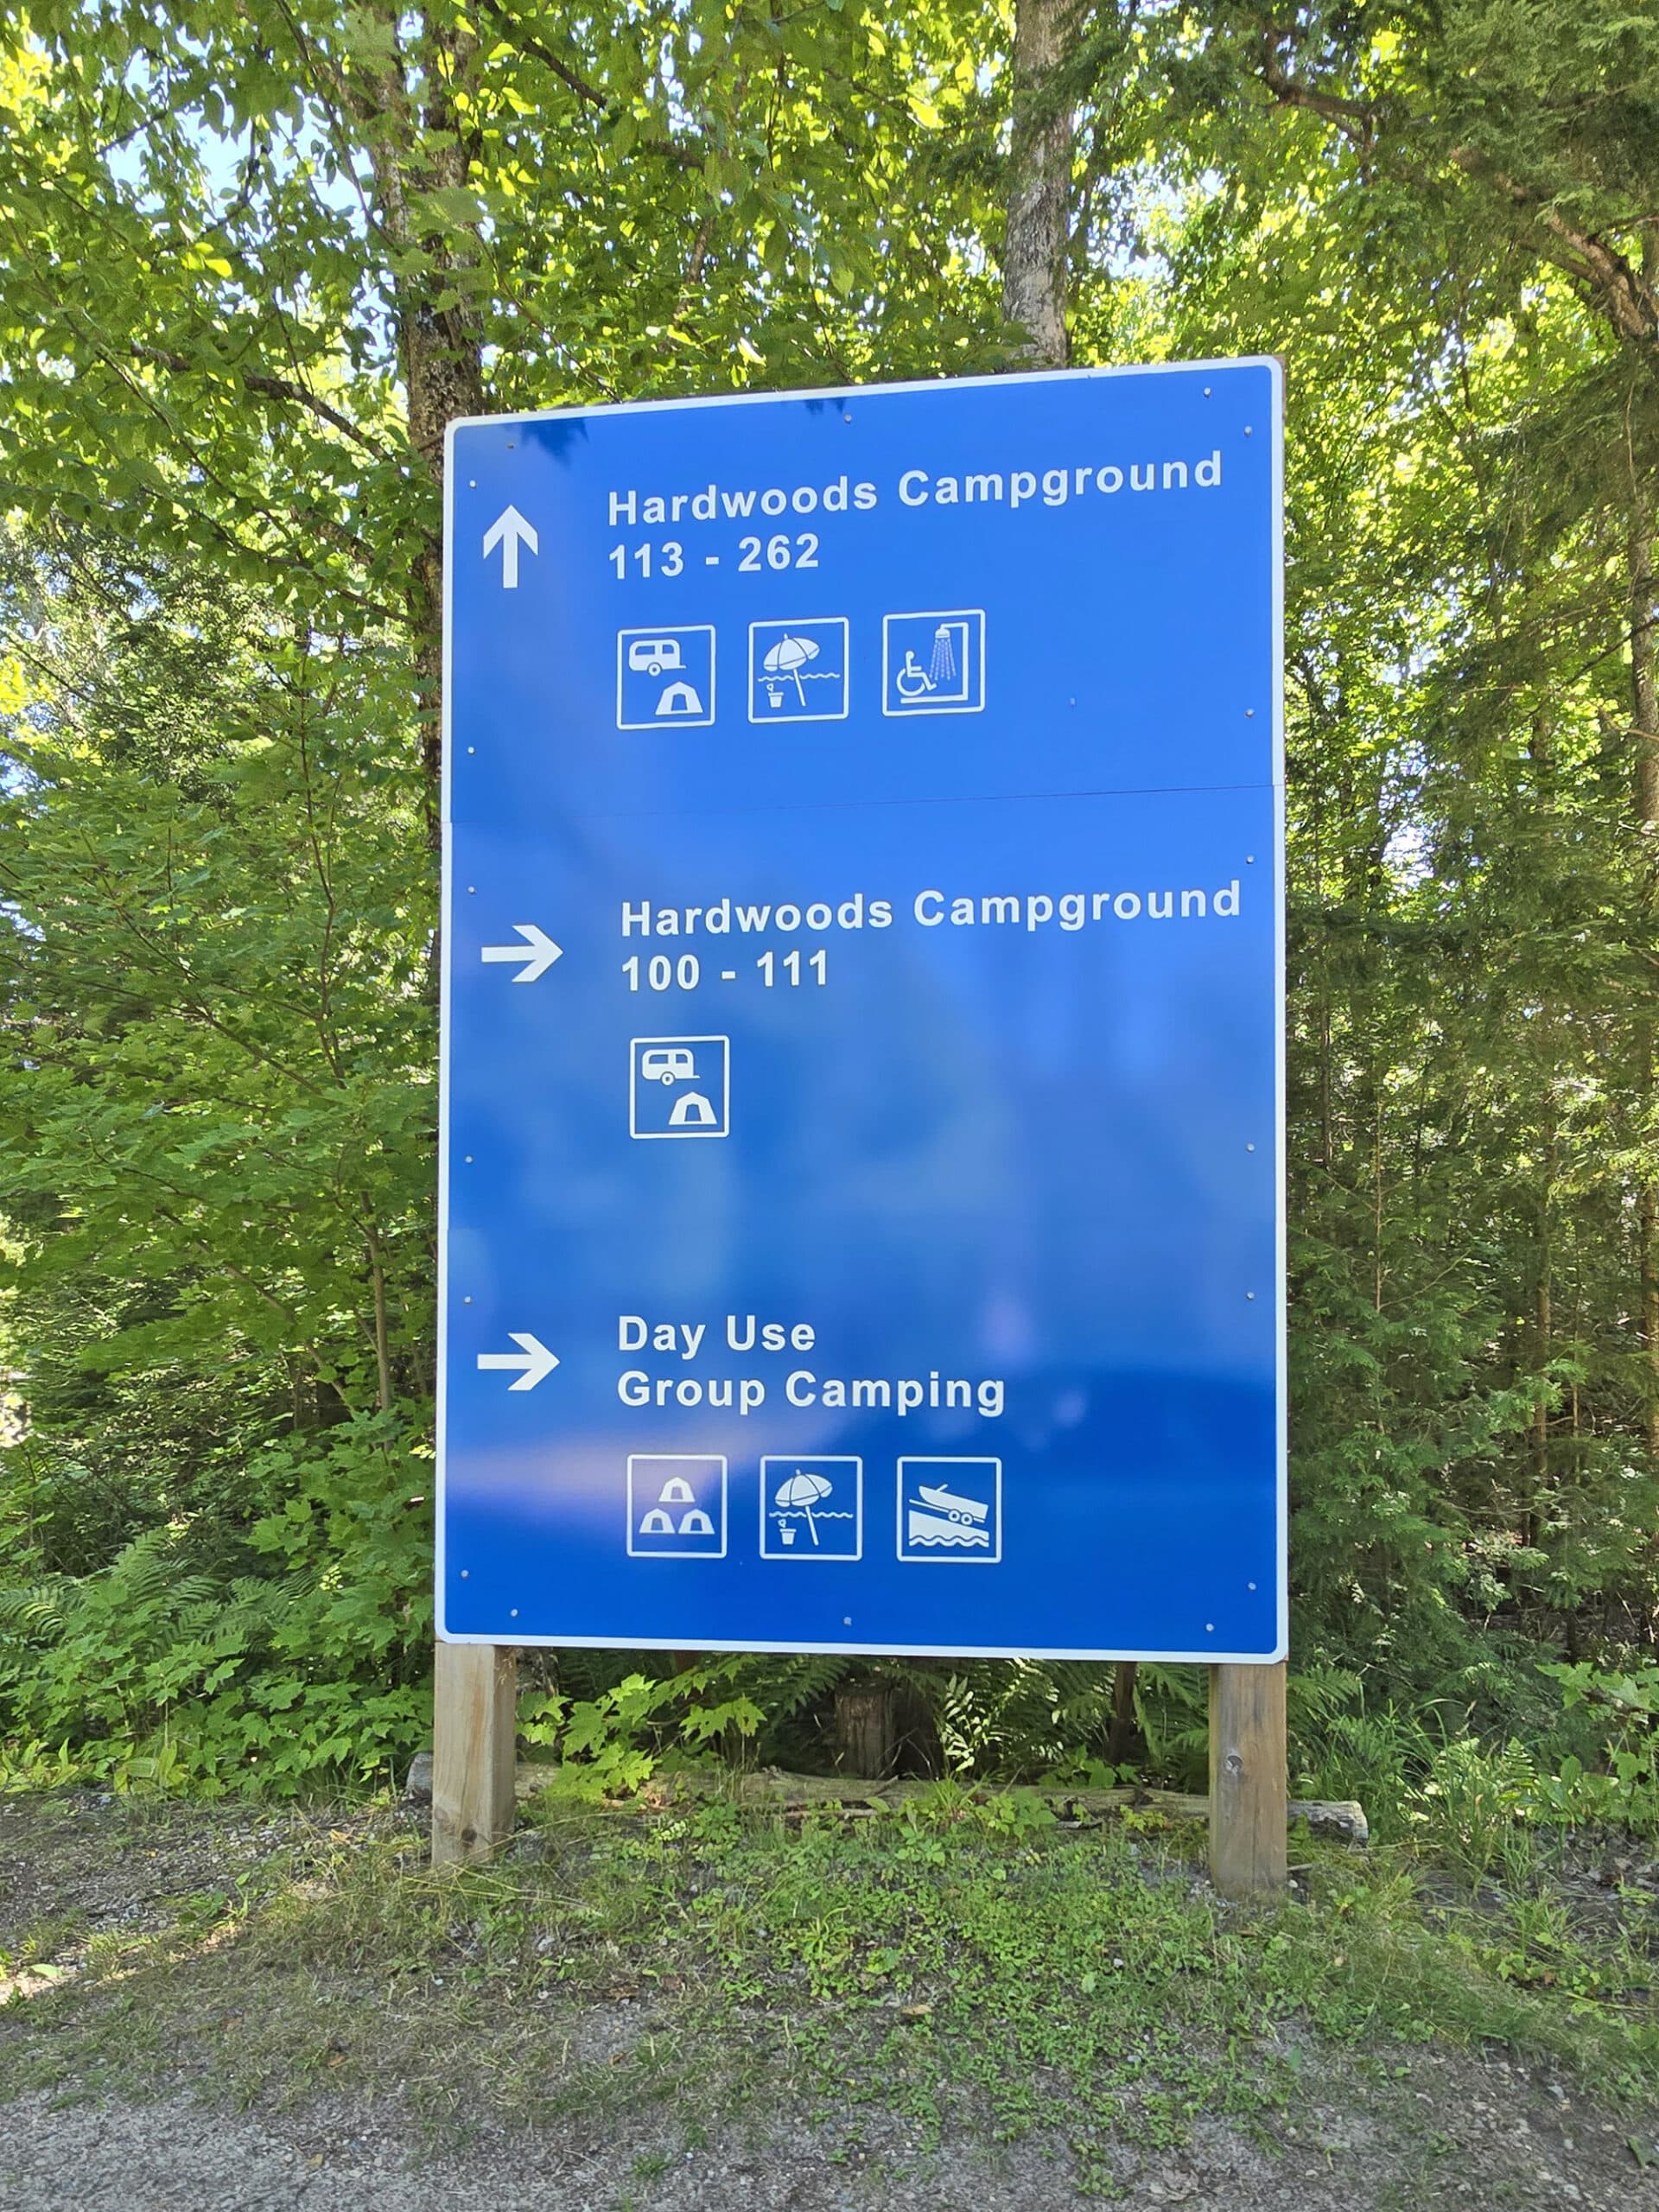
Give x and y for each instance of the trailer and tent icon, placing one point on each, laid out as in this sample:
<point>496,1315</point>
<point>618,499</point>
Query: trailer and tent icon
<point>679,1086</point>
<point>665,676</point>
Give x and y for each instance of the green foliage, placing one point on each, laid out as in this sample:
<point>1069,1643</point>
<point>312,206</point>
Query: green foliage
<point>253,258</point>
<point>155,1670</point>
<point>1622,1709</point>
<point>615,1732</point>
<point>1586,1761</point>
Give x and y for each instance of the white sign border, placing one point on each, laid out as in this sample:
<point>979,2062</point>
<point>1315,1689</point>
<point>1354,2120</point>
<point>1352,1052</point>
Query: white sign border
<point>1274,365</point>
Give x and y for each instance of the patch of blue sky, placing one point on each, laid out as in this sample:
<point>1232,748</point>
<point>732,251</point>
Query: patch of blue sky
<point>293,149</point>
<point>221,157</point>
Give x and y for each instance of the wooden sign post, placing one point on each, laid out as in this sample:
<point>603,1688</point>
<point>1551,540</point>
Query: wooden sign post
<point>1250,1780</point>
<point>475,1743</point>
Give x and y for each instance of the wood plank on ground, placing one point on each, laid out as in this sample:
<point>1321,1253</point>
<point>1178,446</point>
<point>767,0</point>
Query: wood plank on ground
<point>774,1789</point>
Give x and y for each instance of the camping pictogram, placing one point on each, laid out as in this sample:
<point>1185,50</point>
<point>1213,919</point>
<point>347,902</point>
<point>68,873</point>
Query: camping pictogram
<point>678,1087</point>
<point>665,676</point>
<point>676,1506</point>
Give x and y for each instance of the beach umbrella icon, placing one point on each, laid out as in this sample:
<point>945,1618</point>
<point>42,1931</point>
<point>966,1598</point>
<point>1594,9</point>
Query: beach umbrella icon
<point>787,659</point>
<point>799,1493</point>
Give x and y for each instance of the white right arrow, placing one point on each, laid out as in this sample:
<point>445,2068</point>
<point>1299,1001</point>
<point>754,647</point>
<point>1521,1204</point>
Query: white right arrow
<point>509,531</point>
<point>535,1359</point>
<point>539,952</point>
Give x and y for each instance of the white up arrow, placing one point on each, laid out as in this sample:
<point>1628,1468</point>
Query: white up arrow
<point>535,1359</point>
<point>509,531</point>
<point>539,952</point>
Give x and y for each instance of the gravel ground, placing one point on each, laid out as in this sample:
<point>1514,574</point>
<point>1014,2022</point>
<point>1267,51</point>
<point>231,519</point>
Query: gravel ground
<point>1405,2128</point>
<point>1455,2132</point>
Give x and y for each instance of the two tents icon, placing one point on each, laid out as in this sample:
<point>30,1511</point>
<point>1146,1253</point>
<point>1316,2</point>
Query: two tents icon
<point>660,1523</point>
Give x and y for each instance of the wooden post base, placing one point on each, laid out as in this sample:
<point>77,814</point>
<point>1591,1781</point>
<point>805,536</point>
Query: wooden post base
<point>1249,1781</point>
<point>475,1713</point>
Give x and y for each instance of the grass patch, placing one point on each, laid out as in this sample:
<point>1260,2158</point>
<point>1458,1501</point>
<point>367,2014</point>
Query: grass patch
<point>952,1964</point>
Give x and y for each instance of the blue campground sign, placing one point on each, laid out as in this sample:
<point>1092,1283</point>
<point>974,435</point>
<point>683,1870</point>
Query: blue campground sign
<point>861,1154</point>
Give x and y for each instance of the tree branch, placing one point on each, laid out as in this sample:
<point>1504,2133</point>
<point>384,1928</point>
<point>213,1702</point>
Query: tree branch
<point>1356,119</point>
<point>268,387</point>
<point>525,42</point>
<point>1623,292</point>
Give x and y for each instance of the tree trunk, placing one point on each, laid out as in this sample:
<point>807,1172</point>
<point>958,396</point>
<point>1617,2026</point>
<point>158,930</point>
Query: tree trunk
<point>1039,178</point>
<point>417,146</point>
<point>382,1336</point>
<point>1537,1504</point>
<point>1644,793</point>
<point>866,1741</point>
<point>1120,1743</point>
<point>1645,707</point>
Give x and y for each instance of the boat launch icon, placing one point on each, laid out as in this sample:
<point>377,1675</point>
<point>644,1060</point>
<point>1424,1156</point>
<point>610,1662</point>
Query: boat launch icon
<point>939,1517</point>
<point>949,1510</point>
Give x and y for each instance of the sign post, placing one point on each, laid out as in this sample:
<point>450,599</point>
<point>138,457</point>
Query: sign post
<point>862,1041</point>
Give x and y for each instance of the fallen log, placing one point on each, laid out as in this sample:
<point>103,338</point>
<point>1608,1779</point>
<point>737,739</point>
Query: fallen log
<point>1341,1820</point>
